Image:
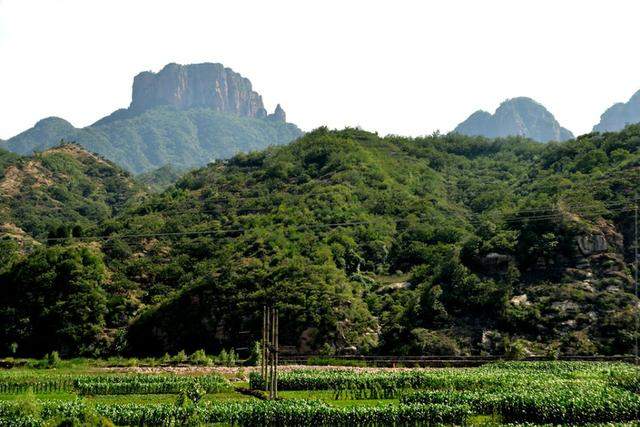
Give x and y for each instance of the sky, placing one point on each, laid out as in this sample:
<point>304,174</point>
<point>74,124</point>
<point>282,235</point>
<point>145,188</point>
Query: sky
<point>401,67</point>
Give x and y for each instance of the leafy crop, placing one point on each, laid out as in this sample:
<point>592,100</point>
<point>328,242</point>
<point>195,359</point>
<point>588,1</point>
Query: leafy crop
<point>292,412</point>
<point>110,384</point>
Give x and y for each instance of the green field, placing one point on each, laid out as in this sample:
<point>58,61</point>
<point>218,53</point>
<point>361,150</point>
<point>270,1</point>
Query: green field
<point>570,393</point>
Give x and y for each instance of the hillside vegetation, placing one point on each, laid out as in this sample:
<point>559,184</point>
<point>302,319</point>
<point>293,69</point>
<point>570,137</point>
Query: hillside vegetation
<point>61,188</point>
<point>434,245</point>
<point>161,136</point>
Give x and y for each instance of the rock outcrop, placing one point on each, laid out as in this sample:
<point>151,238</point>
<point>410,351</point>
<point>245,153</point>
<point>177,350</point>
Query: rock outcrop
<point>619,115</point>
<point>516,117</point>
<point>278,115</point>
<point>197,85</point>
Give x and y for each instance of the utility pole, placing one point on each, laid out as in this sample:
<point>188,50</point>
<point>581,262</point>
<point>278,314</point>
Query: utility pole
<point>636,267</point>
<point>263,356</point>
<point>269,365</point>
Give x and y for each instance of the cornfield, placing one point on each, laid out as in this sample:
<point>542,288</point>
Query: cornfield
<point>513,392</point>
<point>265,413</point>
<point>110,384</point>
<point>556,405</point>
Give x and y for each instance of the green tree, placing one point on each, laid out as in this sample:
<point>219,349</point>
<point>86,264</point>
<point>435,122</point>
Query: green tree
<point>55,301</point>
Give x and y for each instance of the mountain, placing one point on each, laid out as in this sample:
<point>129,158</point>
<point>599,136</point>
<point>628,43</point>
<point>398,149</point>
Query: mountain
<point>620,115</point>
<point>46,133</point>
<point>515,117</point>
<point>434,245</point>
<point>63,187</point>
<point>184,115</point>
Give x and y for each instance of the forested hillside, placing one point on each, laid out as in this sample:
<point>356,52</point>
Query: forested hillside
<point>160,136</point>
<point>61,188</point>
<point>435,245</point>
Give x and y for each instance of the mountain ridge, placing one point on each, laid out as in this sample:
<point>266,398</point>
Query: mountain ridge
<point>194,114</point>
<point>520,116</point>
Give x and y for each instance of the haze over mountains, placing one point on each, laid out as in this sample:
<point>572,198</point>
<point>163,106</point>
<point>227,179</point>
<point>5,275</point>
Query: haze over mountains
<point>184,115</point>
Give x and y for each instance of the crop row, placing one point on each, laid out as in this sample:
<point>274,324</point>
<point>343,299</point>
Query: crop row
<point>564,369</point>
<point>502,376</point>
<point>111,384</point>
<point>266,413</point>
<point>347,380</point>
<point>566,405</point>
<point>378,385</point>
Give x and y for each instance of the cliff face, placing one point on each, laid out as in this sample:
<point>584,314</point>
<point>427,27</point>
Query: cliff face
<point>516,117</point>
<point>619,115</point>
<point>197,85</point>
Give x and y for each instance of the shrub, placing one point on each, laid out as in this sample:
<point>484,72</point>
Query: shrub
<point>181,357</point>
<point>199,357</point>
<point>53,359</point>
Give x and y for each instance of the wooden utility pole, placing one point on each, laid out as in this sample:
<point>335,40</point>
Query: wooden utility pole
<point>636,267</point>
<point>269,366</point>
<point>263,355</point>
<point>275,356</point>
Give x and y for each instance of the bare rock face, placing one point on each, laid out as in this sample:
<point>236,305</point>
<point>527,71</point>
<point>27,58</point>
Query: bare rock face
<point>278,115</point>
<point>591,244</point>
<point>197,85</point>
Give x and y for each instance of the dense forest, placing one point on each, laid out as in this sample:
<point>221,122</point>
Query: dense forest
<point>445,244</point>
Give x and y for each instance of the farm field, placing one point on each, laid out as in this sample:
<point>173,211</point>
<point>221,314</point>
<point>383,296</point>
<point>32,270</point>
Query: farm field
<point>569,393</point>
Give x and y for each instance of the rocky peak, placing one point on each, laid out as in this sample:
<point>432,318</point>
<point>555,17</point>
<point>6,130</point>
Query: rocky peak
<point>278,115</point>
<point>516,117</point>
<point>619,115</point>
<point>197,85</point>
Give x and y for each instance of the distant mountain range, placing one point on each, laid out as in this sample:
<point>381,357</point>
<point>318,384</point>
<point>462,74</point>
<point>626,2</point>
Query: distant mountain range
<point>619,115</point>
<point>184,115</point>
<point>516,117</point>
<point>525,117</point>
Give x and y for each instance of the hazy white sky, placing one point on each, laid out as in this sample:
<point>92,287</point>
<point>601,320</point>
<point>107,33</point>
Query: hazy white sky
<point>406,67</point>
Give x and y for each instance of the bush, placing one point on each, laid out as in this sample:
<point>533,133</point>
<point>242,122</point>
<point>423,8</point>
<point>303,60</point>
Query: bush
<point>199,357</point>
<point>53,359</point>
<point>179,358</point>
<point>227,358</point>
<point>256,354</point>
